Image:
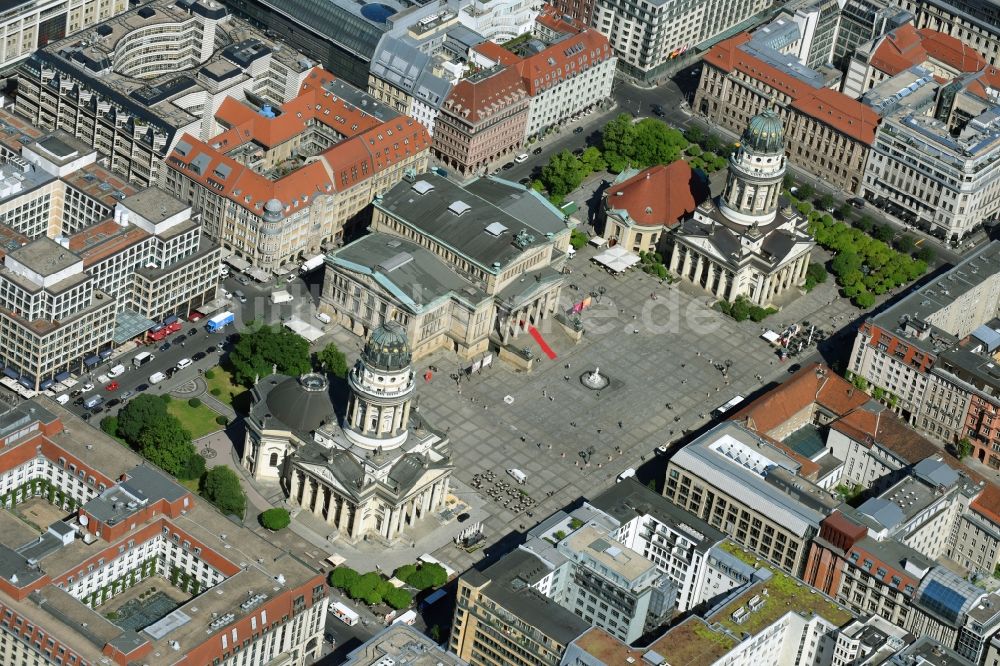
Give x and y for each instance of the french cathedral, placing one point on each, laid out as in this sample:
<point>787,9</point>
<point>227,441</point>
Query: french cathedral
<point>378,471</point>
<point>741,244</point>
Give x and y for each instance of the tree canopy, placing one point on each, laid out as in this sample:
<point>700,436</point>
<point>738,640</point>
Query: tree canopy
<point>332,360</point>
<point>137,414</point>
<point>645,143</point>
<point>146,426</point>
<point>275,519</point>
<point>343,577</point>
<point>221,486</point>
<point>260,350</point>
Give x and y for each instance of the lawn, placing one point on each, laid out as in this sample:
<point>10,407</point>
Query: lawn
<point>199,421</point>
<point>230,392</point>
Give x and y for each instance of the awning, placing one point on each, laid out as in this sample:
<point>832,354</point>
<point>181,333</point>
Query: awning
<point>10,373</point>
<point>170,320</point>
<point>770,336</point>
<point>258,274</point>
<point>617,259</point>
<point>104,353</point>
<point>307,331</point>
<point>237,263</point>
<point>26,382</point>
<point>598,241</point>
<point>62,376</point>
<point>91,361</point>
<point>130,324</point>
<point>336,560</point>
<point>44,385</point>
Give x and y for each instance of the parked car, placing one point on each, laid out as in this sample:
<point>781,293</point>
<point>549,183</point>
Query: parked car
<point>537,151</point>
<point>523,157</point>
<point>165,346</point>
<point>509,165</point>
<point>243,280</point>
<point>77,393</point>
<point>198,356</point>
<point>141,387</point>
<point>193,331</point>
<point>126,395</point>
<point>578,130</point>
<point>113,386</point>
<point>462,517</point>
<point>793,368</point>
<point>114,402</point>
<point>86,388</point>
<point>183,363</point>
<point>194,315</point>
<point>63,399</point>
<point>658,111</point>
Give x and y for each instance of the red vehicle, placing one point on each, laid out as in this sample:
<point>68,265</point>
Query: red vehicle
<point>113,386</point>
<point>165,331</point>
<point>194,315</point>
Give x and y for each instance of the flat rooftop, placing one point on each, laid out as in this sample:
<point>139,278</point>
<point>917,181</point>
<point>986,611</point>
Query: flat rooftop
<point>61,147</point>
<point>155,204</point>
<point>401,645</point>
<point>758,474</point>
<point>44,256</point>
<point>610,555</point>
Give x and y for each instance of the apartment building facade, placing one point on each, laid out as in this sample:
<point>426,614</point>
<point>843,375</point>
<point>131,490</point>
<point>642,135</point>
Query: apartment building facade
<point>26,27</point>
<point>89,87</point>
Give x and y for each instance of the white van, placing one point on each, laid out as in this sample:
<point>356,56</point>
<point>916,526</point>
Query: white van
<point>627,474</point>
<point>63,399</point>
<point>116,371</point>
<point>183,363</point>
<point>518,475</point>
<point>323,317</point>
<point>157,377</point>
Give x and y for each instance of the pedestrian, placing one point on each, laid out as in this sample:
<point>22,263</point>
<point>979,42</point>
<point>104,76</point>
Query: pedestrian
<point>619,424</point>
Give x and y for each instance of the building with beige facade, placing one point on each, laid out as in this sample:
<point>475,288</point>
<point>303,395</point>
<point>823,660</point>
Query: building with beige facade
<point>641,208</point>
<point>507,243</point>
<point>376,474</point>
<point>748,487</point>
<point>827,133</point>
<point>282,182</point>
<point>742,246</point>
<point>145,77</point>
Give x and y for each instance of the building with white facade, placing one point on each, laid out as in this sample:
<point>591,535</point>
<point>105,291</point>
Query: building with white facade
<point>235,598</point>
<point>949,183</point>
<point>500,20</point>
<point>646,36</point>
<point>147,76</point>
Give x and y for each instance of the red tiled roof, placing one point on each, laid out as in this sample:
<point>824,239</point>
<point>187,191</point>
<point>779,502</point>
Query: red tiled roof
<point>369,147</point>
<point>906,46</point>
<point>659,196</point>
<point>564,58</point>
<point>988,77</point>
<point>813,384</point>
<point>884,428</point>
<point>553,20</point>
<point>846,115</point>
<point>496,53</point>
<point>987,503</point>
<point>482,98</point>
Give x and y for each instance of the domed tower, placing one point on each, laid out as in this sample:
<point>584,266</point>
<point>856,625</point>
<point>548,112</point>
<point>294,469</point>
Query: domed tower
<point>756,172</point>
<point>382,386</point>
<point>270,238</point>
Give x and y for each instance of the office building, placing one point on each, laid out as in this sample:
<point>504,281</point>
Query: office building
<point>498,250</point>
<point>500,20</point>
<point>896,349</point>
<point>861,21</point>
<point>401,644</point>
<point>89,262</point>
<point>374,475</point>
<point>742,245</point>
<point>825,132</point>
<point>647,37</point>
<point>405,78</point>
<point>220,594</point>
<point>975,22</point>
<point>145,77</point>
<point>281,182</point>
<point>748,487</point>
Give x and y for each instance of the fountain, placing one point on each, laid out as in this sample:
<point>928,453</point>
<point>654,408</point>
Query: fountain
<point>595,381</point>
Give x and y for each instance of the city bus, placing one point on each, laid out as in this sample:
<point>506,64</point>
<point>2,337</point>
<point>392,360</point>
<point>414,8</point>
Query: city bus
<point>720,411</point>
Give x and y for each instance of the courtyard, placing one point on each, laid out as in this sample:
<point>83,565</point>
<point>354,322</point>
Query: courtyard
<point>38,512</point>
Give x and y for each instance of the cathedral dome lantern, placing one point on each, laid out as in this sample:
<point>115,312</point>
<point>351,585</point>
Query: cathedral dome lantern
<point>756,172</point>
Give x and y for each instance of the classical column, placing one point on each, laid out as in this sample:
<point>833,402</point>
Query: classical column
<point>295,484</point>
<point>803,269</point>
<point>400,517</point>
<point>387,525</point>
<point>685,270</point>
<point>720,291</point>
<point>674,257</point>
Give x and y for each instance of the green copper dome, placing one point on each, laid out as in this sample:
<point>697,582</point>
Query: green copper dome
<point>764,134</point>
<point>387,347</point>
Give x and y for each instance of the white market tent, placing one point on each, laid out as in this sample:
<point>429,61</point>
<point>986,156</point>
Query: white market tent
<point>307,331</point>
<point>617,259</point>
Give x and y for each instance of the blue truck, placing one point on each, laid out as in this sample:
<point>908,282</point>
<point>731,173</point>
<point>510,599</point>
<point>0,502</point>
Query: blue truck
<point>219,321</point>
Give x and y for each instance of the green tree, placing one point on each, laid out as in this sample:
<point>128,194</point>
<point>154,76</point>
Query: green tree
<point>694,134</point>
<point>343,577</point>
<point>274,519</point>
<point>925,254</point>
<point>578,239</point>
<point>137,414</point>
<point>427,576</point>
<point>366,585</point>
<point>616,142</point>
<point>593,160</point>
<point>963,448</point>
<point>261,350</point>
<point>398,598</point>
<point>864,300</point>
<point>404,572</point>
<point>825,202</point>
<point>221,486</point>
<point>883,232</point>
<point>167,444</point>
<point>740,309</point>
<point>805,192</point>
<point>906,243</point>
<point>332,360</point>
<point>193,468</point>
<point>563,174</point>
<point>109,424</point>
<point>435,631</point>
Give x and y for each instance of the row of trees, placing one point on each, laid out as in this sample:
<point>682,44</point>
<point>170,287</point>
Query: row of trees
<point>864,266</point>
<point>422,576</point>
<point>371,588</point>
<point>741,309</point>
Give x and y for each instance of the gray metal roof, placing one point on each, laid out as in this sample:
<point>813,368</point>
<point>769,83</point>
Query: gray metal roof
<point>935,472</point>
<point>281,402</point>
<point>988,336</point>
<point>885,513</point>
<point>416,283</point>
<point>463,227</point>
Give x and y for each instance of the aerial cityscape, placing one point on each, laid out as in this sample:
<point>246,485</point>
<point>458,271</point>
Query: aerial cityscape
<point>523,333</point>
